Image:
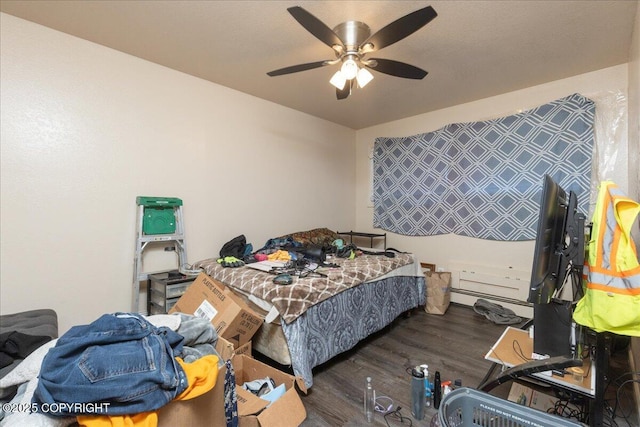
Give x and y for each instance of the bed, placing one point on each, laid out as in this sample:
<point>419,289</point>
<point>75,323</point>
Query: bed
<point>316,318</point>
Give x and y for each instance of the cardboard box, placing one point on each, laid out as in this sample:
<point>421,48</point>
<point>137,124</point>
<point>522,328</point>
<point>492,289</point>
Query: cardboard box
<point>542,401</point>
<point>227,349</point>
<point>208,409</point>
<point>230,315</point>
<point>520,394</point>
<point>535,399</point>
<point>204,410</point>
<point>287,411</point>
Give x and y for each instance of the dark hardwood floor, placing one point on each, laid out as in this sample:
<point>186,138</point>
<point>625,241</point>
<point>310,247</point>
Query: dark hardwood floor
<point>453,344</point>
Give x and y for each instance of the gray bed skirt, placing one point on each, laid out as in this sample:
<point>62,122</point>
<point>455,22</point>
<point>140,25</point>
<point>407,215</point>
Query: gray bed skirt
<point>339,323</point>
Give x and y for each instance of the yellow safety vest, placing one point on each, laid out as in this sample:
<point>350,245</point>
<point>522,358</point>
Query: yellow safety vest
<point>611,300</point>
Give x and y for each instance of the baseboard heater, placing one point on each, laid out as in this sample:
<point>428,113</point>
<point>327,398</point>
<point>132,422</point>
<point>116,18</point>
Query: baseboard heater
<point>501,284</point>
<point>491,296</point>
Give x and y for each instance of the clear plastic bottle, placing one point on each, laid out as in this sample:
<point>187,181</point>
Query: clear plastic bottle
<point>417,393</point>
<point>369,400</point>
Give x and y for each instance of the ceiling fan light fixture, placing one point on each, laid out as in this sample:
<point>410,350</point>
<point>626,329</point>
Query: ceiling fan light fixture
<point>338,80</point>
<point>349,69</point>
<point>352,40</point>
<point>366,48</point>
<point>363,77</point>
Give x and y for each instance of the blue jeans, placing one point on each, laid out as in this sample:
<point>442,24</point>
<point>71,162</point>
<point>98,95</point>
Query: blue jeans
<point>119,364</point>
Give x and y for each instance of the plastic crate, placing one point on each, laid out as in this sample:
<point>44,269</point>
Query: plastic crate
<point>466,407</point>
<point>170,284</point>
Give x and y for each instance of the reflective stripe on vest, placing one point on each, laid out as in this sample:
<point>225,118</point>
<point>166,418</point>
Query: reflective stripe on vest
<point>612,272</point>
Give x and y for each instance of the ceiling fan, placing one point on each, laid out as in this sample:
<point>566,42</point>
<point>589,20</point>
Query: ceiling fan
<point>351,41</point>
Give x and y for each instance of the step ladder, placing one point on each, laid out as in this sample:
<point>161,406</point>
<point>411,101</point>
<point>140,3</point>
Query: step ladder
<point>159,219</point>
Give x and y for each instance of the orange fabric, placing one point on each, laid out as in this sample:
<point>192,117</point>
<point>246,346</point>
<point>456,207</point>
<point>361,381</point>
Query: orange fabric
<point>143,419</point>
<point>610,289</point>
<point>279,255</point>
<point>613,273</point>
<point>201,376</point>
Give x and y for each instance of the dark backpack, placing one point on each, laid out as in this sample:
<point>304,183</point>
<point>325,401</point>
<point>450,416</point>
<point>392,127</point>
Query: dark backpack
<point>235,247</point>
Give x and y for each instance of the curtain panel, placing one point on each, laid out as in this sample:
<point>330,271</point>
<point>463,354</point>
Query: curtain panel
<point>483,179</point>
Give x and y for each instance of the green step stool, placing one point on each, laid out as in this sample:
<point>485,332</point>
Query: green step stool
<point>159,214</point>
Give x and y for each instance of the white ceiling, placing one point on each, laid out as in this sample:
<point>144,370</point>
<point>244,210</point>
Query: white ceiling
<point>472,50</point>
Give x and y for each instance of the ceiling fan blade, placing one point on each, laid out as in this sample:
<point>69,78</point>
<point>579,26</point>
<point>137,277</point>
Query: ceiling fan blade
<point>345,91</point>
<point>297,68</point>
<point>400,28</point>
<point>315,26</point>
<point>397,69</point>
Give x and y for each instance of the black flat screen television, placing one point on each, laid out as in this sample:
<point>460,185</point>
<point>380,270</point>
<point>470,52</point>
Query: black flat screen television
<point>547,255</point>
<point>558,256</point>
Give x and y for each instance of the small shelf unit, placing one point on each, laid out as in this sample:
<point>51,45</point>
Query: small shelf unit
<point>369,236</point>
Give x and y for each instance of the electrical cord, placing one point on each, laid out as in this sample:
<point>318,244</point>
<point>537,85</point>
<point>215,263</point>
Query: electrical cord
<point>609,419</point>
<point>566,408</point>
<point>383,404</point>
<point>517,349</point>
<point>578,291</point>
<point>567,273</point>
<point>621,388</point>
<point>397,416</point>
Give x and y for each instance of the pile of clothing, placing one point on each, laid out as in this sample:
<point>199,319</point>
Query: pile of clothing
<point>118,370</point>
<point>265,388</point>
<point>22,333</point>
<point>237,252</point>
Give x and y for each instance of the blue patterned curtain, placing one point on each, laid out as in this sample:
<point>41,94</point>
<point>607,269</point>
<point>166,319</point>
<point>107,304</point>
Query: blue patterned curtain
<point>483,179</point>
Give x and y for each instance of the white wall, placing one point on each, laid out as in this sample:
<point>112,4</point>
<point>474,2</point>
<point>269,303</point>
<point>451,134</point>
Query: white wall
<point>444,249</point>
<point>634,111</point>
<point>86,129</point>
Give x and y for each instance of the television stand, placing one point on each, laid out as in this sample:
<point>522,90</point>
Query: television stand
<point>529,368</point>
<point>593,386</point>
<point>603,349</point>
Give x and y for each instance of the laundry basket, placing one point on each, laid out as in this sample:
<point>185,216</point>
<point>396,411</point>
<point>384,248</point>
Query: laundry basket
<point>466,407</point>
